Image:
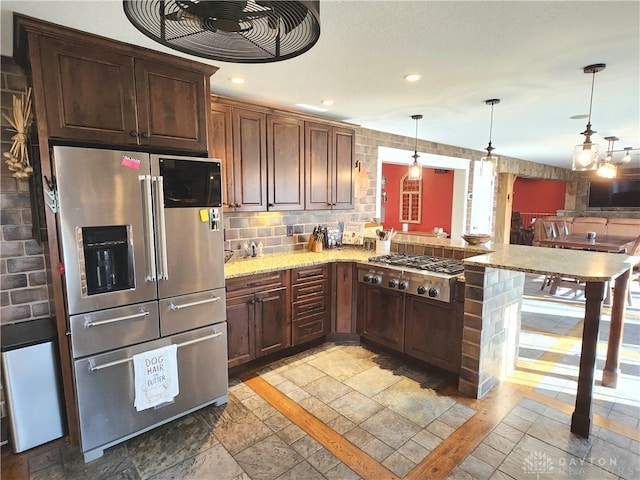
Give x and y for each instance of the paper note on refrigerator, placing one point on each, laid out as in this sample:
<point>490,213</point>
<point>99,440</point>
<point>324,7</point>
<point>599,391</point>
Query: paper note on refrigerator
<point>155,377</point>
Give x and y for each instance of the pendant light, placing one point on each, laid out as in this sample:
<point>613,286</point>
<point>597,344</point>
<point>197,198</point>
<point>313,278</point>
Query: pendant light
<point>487,162</point>
<point>585,156</point>
<point>606,168</point>
<point>415,169</point>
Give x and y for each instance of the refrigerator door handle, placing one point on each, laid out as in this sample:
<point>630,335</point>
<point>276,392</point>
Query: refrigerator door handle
<point>163,274</point>
<point>173,306</point>
<point>150,253</point>
<point>93,367</point>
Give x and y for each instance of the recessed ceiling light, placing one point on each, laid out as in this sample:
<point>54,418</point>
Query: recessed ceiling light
<point>328,101</point>
<point>412,77</point>
<point>236,80</point>
<point>311,107</point>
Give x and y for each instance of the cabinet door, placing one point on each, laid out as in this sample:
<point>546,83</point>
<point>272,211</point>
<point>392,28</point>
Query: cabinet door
<point>381,316</point>
<point>343,167</point>
<point>344,297</point>
<point>241,329</point>
<point>249,160</point>
<point>434,332</point>
<point>318,158</point>
<point>89,93</point>
<point>285,160</point>
<point>221,147</point>
<point>173,105</point>
<point>273,327</point>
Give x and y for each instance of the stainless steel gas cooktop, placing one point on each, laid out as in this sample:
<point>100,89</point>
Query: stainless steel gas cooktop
<point>431,277</point>
<point>421,262</point>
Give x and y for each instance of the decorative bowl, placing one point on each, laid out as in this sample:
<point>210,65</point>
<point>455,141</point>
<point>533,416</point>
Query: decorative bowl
<point>476,238</point>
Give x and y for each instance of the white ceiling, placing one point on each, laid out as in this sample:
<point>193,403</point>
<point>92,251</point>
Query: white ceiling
<point>529,54</point>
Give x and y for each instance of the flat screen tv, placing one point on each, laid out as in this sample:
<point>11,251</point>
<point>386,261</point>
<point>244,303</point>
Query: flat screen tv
<point>615,194</point>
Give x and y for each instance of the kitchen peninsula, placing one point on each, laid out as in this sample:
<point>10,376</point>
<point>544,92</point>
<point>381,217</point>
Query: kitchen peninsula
<point>493,295</point>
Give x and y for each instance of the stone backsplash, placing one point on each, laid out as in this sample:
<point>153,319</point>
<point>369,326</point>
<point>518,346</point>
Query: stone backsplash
<point>24,292</point>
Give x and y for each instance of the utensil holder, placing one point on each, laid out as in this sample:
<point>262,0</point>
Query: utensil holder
<point>383,247</point>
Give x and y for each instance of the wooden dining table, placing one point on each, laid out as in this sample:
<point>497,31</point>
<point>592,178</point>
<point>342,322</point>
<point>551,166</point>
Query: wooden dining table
<point>601,243</point>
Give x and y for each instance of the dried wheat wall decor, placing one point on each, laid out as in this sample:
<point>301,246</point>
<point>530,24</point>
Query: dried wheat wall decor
<point>17,157</point>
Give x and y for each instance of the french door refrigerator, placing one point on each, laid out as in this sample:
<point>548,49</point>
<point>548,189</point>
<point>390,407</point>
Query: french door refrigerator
<point>143,262</point>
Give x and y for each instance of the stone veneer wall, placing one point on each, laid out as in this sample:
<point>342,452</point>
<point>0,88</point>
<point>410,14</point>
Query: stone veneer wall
<point>493,301</point>
<point>580,207</point>
<point>23,278</point>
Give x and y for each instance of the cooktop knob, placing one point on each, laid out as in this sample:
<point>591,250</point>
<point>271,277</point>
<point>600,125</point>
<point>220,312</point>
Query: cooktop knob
<point>403,285</point>
<point>366,278</point>
<point>393,283</point>
<point>433,292</point>
<point>376,280</point>
<point>422,290</point>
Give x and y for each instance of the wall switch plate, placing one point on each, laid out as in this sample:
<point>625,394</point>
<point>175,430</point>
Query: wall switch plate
<point>289,230</point>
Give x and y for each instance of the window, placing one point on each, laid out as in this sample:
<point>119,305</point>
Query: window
<point>410,200</point>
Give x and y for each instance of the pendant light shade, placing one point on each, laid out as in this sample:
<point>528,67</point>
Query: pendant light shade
<point>487,163</point>
<point>585,156</point>
<point>415,169</point>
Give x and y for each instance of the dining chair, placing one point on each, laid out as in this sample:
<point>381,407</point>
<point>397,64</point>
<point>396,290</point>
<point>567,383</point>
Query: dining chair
<point>562,228</point>
<point>550,230</point>
<point>635,270</point>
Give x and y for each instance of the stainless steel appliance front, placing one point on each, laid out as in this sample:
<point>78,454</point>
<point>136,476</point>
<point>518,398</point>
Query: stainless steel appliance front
<point>143,254</point>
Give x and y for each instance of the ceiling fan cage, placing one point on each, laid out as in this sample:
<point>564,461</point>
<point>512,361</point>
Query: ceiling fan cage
<point>254,31</point>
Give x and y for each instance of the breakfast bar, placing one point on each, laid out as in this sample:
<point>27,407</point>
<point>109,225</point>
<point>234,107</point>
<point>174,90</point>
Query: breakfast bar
<point>594,268</point>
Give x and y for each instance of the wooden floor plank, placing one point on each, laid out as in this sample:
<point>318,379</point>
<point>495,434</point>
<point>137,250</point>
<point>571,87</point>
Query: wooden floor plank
<point>14,466</point>
<point>359,461</point>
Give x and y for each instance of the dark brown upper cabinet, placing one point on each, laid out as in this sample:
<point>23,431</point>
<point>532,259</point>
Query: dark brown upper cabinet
<point>279,161</point>
<point>285,163</point>
<point>238,137</point>
<point>329,164</point>
<point>96,90</point>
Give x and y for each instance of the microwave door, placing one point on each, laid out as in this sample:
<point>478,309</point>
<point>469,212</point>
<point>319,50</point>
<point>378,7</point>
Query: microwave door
<point>107,240</point>
<point>189,229</point>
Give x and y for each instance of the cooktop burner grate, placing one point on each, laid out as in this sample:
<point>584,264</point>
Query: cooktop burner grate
<point>421,262</point>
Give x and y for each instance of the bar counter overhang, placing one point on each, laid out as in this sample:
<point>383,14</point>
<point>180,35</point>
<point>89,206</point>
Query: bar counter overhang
<point>594,268</point>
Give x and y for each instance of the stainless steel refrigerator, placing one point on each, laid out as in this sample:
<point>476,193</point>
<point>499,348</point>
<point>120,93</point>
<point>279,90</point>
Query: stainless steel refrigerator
<point>143,263</point>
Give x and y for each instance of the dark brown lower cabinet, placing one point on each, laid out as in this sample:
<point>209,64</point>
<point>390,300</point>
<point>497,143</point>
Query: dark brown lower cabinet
<point>272,324</point>
<point>258,316</point>
<point>310,302</point>
<point>433,332</point>
<point>381,316</point>
<point>241,338</point>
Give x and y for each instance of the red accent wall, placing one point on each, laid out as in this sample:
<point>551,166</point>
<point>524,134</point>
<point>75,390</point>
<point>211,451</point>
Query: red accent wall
<point>539,196</point>
<point>437,198</point>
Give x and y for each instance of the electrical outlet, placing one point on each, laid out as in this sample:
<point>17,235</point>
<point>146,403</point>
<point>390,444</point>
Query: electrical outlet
<point>289,230</point>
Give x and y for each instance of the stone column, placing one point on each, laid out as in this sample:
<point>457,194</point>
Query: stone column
<point>491,327</point>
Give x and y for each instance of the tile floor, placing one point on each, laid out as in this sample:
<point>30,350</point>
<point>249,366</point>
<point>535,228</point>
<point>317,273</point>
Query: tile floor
<point>395,413</point>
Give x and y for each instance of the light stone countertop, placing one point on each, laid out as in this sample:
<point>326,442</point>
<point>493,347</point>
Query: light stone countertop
<point>579,264</point>
<point>238,267</point>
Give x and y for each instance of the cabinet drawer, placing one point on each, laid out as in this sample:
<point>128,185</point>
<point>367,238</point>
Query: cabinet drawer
<point>309,290</point>
<point>311,306</point>
<point>309,328</point>
<point>250,283</point>
<point>306,274</point>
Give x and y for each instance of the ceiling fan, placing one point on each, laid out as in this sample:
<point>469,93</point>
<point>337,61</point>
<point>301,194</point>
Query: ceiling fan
<point>253,31</point>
